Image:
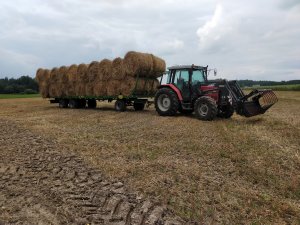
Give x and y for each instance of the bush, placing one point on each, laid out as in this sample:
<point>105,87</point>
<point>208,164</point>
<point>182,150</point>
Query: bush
<point>30,91</point>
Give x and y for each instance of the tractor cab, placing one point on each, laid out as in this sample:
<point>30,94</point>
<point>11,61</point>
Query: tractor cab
<point>187,79</point>
<point>186,89</point>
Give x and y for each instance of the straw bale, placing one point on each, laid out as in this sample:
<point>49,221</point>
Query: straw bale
<point>118,69</point>
<point>139,64</point>
<point>93,71</point>
<point>72,73</point>
<point>105,69</point>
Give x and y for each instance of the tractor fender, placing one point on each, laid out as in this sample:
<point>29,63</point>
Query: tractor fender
<point>174,88</point>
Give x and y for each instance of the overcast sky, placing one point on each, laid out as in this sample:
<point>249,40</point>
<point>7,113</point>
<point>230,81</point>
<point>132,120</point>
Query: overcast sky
<point>258,39</point>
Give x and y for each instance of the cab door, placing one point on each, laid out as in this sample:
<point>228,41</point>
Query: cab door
<point>182,82</point>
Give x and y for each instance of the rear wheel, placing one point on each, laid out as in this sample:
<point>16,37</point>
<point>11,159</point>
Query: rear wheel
<point>225,111</point>
<point>138,106</point>
<point>166,102</point>
<point>92,103</point>
<point>63,103</point>
<point>120,105</point>
<point>205,108</point>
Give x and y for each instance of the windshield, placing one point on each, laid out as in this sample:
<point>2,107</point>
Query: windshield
<point>198,76</point>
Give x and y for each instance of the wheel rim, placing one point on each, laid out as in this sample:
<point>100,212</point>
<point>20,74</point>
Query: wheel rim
<point>203,109</point>
<point>164,102</point>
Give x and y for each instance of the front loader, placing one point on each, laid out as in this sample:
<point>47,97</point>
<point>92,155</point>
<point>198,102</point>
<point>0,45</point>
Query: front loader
<point>186,89</point>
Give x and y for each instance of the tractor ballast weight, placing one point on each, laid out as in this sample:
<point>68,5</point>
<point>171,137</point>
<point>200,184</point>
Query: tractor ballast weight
<point>188,90</point>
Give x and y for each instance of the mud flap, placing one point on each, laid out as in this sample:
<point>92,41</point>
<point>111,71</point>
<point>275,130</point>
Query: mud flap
<point>258,102</point>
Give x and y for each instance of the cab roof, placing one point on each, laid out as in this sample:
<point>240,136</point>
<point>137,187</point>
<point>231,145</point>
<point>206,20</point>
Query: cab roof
<point>179,67</point>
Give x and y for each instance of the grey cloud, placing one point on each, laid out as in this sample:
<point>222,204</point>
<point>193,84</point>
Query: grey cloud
<point>255,40</point>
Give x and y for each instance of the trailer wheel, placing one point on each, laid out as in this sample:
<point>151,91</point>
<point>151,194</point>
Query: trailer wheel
<point>225,111</point>
<point>205,108</point>
<point>82,103</point>
<point>74,104</point>
<point>166,102</point>
<point>63,103</point>
<point>92,103</point>
<point>120,105</point>
<point>138,106</point>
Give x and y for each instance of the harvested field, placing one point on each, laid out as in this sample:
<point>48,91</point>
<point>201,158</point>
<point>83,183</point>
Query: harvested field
<point>236,171</point>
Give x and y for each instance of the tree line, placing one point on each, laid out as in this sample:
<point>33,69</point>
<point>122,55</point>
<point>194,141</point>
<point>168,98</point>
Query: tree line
<point>24,85</point>
<point>251,83</point>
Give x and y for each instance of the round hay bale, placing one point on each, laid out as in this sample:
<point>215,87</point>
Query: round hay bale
<point>139,64</point>
<point>141,86</point>
<point>127,85</point>
<point>54,75</point>
<point>89,89</point>
<point>100,88</point>
<point>105,69</point>
<point>159,66</point>
<point>44,90</point>
<point>82,73</point>
<point>113,87</point>
<point>44,85</point>
<point>53,90</point>
<point>72,73</point>
<point>39,75</point>
<point>155,86</point>
<point>118,69</point>
<point>63,74</point>
<point>46,76</point>
<point>93,71</point>
<point>70,89</point>
<point>80,89</point>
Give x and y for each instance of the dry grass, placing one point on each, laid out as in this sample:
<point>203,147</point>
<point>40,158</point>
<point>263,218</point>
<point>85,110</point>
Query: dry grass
<point>236,171</point>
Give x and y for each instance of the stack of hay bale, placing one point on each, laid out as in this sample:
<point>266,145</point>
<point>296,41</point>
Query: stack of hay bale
<point>104,78</point>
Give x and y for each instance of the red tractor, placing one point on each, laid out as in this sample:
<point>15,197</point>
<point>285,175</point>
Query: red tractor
<point>187,90</point>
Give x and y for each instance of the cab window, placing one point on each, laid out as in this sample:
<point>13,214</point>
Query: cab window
<point>198,76</point>
<point>181,78</point>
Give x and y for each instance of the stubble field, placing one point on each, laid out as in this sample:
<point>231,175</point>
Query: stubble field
<point>235,171</point>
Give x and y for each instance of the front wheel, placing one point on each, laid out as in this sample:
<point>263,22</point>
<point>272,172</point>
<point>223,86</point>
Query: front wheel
<point>166,102</point>
<point>205,108</point>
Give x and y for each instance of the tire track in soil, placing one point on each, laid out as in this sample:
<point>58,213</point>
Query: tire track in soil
<point>41,185</point>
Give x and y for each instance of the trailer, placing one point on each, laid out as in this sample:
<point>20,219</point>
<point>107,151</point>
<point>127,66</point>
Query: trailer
<point>138,99</point>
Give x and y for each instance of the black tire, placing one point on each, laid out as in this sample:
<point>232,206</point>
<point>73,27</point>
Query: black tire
<point>225,111</point>
<point>82,103</point>
<point>205,108</point>
<point>138,106</point>
<point>74,104</point>
<point>92,103</point>
<point>63,103</point>
<point>166,102</point>
<point>120,106</point>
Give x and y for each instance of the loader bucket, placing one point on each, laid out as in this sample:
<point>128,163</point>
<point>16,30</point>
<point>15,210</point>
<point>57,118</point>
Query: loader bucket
<point>258,102</point>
